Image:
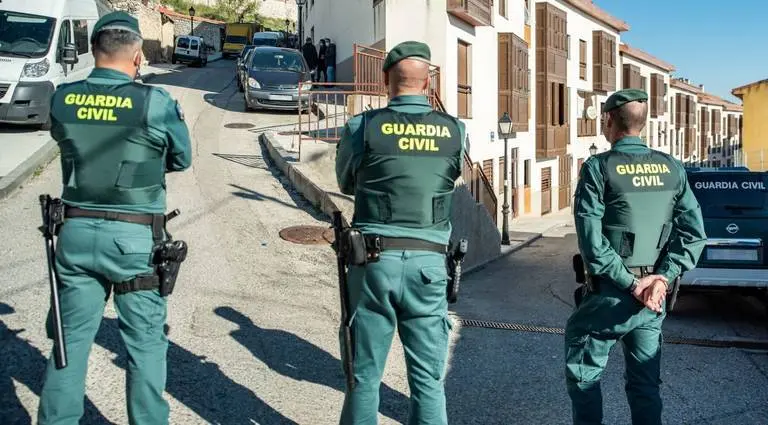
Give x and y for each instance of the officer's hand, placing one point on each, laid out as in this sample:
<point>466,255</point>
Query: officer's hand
<point>644,283</point>
<point>654,296</point>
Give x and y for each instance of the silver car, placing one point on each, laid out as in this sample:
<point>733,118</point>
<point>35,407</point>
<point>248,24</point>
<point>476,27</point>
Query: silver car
<point>274,77</point>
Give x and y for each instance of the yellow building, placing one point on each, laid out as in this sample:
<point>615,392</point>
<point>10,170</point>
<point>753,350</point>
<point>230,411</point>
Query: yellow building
<point>755,124</point>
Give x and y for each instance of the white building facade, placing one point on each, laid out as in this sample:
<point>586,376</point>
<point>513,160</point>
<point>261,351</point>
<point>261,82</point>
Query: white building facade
<point>640,70</point>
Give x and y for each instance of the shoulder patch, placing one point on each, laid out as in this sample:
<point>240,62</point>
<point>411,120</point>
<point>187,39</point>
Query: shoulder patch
<point>179,111</point>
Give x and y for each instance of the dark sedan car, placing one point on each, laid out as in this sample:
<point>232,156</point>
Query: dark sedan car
<point>274,77</point>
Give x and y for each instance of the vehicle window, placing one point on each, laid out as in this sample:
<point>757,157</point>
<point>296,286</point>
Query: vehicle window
<point>236,39</point>
<point>283,61</point>
<point>245,51</point>
<point>24,35</point>
<point>194,45</point>
<point>183,43</point>
<point>265,42</point>
<point>727,194</point>
<point>80,28</point>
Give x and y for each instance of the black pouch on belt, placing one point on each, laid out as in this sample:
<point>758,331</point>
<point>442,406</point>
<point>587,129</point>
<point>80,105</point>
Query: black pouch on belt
<point>353,247</point>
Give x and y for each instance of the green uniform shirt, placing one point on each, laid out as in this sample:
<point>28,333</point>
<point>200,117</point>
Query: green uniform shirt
<point>349,156</point>
<point>165,130</point>
<point>687,240</point>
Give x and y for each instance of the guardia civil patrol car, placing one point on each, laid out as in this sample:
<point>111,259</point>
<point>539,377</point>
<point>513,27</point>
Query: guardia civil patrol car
<point>734,204</point>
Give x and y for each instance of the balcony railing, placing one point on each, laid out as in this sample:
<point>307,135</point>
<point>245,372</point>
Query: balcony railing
<point>474,12</point>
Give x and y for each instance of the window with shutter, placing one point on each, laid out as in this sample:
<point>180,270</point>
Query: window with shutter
<point>464,88</point>
<point>582,59</point>
<point>502,7</point>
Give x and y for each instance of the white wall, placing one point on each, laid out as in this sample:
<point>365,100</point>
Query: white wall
<point>654,141</point>
<point>345,31</point>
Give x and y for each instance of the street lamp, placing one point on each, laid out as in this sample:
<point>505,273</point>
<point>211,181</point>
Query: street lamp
<point>593,149</point>
<point>191,20</point>
<point>301,4</point>
<point>505,132</point>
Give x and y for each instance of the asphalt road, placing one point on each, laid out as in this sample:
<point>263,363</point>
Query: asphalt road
<point>253,320</point>
<point>503,374</point>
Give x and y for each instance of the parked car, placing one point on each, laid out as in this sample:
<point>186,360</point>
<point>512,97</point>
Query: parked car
<point>274,77</point>
<point>241,69</point>
<point>190,49</point>
<point>734,205</point>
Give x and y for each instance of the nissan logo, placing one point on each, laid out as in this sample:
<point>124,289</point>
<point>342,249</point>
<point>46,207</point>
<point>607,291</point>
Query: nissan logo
<point>732,228</point>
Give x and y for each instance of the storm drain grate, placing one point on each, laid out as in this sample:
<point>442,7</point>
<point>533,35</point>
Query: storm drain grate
<point>744,344</point>
<point>307,235</point>
<point>239,125</point>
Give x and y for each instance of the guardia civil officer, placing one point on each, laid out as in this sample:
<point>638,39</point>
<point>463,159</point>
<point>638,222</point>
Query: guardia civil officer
<point>117,139</point>
<point>401,162</point>
<point>639,227</point>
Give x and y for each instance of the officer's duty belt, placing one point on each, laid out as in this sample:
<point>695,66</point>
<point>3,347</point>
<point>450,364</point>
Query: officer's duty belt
<point>138,283</point>
<point>74,212</point>
<point>641,271</point>
<point>383,243</point>
<point>157,221</point>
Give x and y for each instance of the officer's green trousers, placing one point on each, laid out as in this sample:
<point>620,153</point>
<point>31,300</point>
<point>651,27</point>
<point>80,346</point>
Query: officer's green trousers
<point>404,290</point>
<point>600,321</point>
<point>90,254</point>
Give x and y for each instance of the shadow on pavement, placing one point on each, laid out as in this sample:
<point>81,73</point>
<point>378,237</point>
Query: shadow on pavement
<point>246,193</point>
<point>200,385</point>
<point>294,357</point>
<point>25,364</point>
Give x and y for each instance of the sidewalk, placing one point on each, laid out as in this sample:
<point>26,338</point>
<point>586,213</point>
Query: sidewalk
<point>315,179</point>
<point>553,225</point>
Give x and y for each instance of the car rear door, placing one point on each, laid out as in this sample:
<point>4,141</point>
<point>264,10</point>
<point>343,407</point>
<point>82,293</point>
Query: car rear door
<point>735,211</point>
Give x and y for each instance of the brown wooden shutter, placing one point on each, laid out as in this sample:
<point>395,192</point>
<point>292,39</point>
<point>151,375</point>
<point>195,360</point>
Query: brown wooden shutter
<point>505,74</point>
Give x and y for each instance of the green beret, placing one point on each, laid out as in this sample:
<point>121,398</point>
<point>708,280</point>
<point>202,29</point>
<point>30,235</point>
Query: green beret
<point>116,21</point>
<point>624,96</point>
<point>407,49</point>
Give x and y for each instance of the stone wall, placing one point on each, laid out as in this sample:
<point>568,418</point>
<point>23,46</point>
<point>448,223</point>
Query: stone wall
<point>210,32</point>
<point>280,9</point>
<point>156,29</point>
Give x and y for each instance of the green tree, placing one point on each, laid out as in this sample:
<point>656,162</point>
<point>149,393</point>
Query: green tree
<point>225,10</point>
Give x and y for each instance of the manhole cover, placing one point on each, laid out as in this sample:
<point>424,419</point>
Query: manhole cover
<point>238,125</point>
<point>307,235</point>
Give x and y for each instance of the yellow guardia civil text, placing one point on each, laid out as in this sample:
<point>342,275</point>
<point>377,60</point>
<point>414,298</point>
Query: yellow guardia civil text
<point>644,174</point>
<point>422,136</point>
<point>97,107</point>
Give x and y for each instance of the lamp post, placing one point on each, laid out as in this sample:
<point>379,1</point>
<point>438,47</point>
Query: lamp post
<point>593,149</point>
<point>301,4</point>
<point>191,20</point>
<point>505,132</point>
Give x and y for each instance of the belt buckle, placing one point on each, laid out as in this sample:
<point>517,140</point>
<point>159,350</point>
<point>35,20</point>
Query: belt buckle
<point>111,215</point>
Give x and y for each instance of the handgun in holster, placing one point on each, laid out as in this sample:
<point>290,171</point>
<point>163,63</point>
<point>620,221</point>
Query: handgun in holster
<point>455,259</point>
<point>588,284</point>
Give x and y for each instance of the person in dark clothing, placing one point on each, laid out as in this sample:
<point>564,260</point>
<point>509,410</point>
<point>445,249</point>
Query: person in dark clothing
<point>321,64</point>
<point>330,61</point>
<point>310,55</point>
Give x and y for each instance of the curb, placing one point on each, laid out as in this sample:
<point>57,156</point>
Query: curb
<point>309,190</point>
<point>320,199</point>
<point>21,173</point>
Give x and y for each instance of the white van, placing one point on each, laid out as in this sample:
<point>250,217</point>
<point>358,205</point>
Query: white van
<point>190,49</point>
<point>267,38</point>
<point>43,44</point>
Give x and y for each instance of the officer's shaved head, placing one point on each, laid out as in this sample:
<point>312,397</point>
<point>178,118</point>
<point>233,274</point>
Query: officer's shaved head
<point>408,76</point>
<point>626,120</point>
<point>116,43</point>
<point>118,49</point>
